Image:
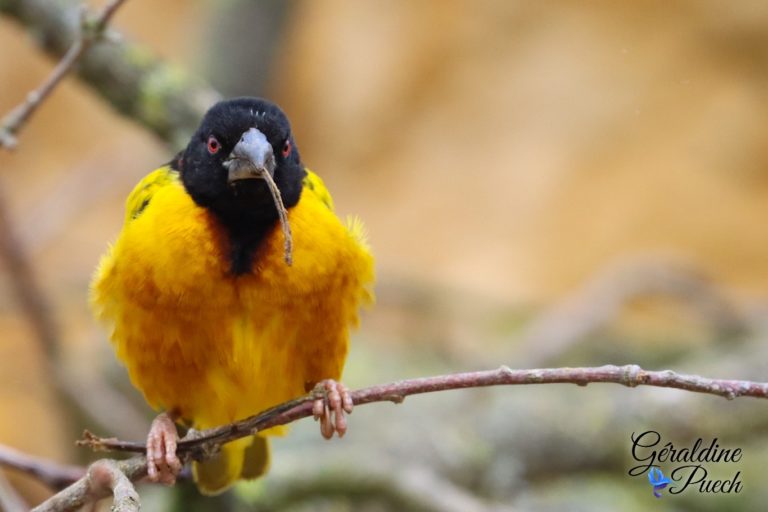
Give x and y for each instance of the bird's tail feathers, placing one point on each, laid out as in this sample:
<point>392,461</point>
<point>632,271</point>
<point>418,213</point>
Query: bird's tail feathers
<point>245,458</point>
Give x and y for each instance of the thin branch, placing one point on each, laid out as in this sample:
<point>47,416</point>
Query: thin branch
<point>90,31</point>
<point>203,442</point>
<point>55,476</point>
<point>160,96</point>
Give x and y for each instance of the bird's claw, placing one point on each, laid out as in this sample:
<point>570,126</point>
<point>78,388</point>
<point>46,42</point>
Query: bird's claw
<point>332,403</point>
<point>162,463</point>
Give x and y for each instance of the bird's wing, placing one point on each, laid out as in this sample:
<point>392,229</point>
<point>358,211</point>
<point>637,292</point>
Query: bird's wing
<point>143,192</point>
<point>316,186</point>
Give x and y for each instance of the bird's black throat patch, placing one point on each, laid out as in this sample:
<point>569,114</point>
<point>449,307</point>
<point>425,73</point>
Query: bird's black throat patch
<point>248,215</point>
<point>243,245</point>
<point>244,207</point>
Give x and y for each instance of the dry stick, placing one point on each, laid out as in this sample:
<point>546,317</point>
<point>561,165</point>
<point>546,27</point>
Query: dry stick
<point>56,476</point>
<point>90,32</point>
<point>283,214</point>
<point>205,442</point>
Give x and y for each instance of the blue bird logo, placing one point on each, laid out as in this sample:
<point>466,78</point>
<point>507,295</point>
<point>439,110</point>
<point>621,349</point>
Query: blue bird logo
<point>657,480</point>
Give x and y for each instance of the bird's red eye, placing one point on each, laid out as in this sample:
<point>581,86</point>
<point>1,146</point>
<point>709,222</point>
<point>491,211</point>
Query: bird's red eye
<point>286,148</point>
<point>213,145</point>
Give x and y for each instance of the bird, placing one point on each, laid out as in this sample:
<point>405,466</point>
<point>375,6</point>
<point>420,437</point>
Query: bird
<point>212,316</point>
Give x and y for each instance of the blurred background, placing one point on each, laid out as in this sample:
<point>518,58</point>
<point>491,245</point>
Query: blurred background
<point>544,184</point>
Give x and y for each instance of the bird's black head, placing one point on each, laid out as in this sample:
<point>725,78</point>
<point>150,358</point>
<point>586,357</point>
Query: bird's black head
<point>222,168</point>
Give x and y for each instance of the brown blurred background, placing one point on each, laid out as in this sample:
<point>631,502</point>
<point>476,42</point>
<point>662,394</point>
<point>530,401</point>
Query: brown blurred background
<point>543,183</point>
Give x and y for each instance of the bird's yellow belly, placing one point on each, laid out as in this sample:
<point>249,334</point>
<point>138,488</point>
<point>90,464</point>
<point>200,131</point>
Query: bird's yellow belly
<point>213,372</point>
<point>214,347</point>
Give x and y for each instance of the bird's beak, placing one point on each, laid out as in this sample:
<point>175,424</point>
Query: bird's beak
<point>251,158</point>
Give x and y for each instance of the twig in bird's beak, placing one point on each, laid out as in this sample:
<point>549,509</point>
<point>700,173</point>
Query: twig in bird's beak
<point>283,214</point>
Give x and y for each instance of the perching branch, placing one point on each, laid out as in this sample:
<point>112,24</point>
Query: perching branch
<point>630,375</point>
<point>138,84</point>
<point>204,443</point>
<point>91,30</point>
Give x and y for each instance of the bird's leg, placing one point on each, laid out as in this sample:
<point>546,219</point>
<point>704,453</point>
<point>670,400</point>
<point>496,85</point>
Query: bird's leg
<point>332,401</point>
<point>162,463</point>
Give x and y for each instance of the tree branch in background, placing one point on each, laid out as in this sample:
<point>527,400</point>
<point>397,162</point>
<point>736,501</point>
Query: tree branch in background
<point>161,97</point>
<point>106,476</point>
<point>413,488</point>
<point>56,476</point>
<point>24,282</point>
<point>601,299</point>
<point>35,308</point>
<point>91,30</point>
<point>141,87</point>
<point>10,501</point>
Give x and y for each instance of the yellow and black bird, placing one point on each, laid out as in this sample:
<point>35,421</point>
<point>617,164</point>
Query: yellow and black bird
<point>210,320</point>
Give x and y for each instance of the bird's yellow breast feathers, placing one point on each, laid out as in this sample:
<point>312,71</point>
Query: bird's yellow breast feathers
<point>213,346</point>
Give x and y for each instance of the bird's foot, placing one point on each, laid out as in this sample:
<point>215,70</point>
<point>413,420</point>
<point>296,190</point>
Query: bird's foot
<point>162,463</point>
<point>332,403</point>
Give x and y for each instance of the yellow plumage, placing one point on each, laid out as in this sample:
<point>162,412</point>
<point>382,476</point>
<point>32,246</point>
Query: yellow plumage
<point>215,347</point>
